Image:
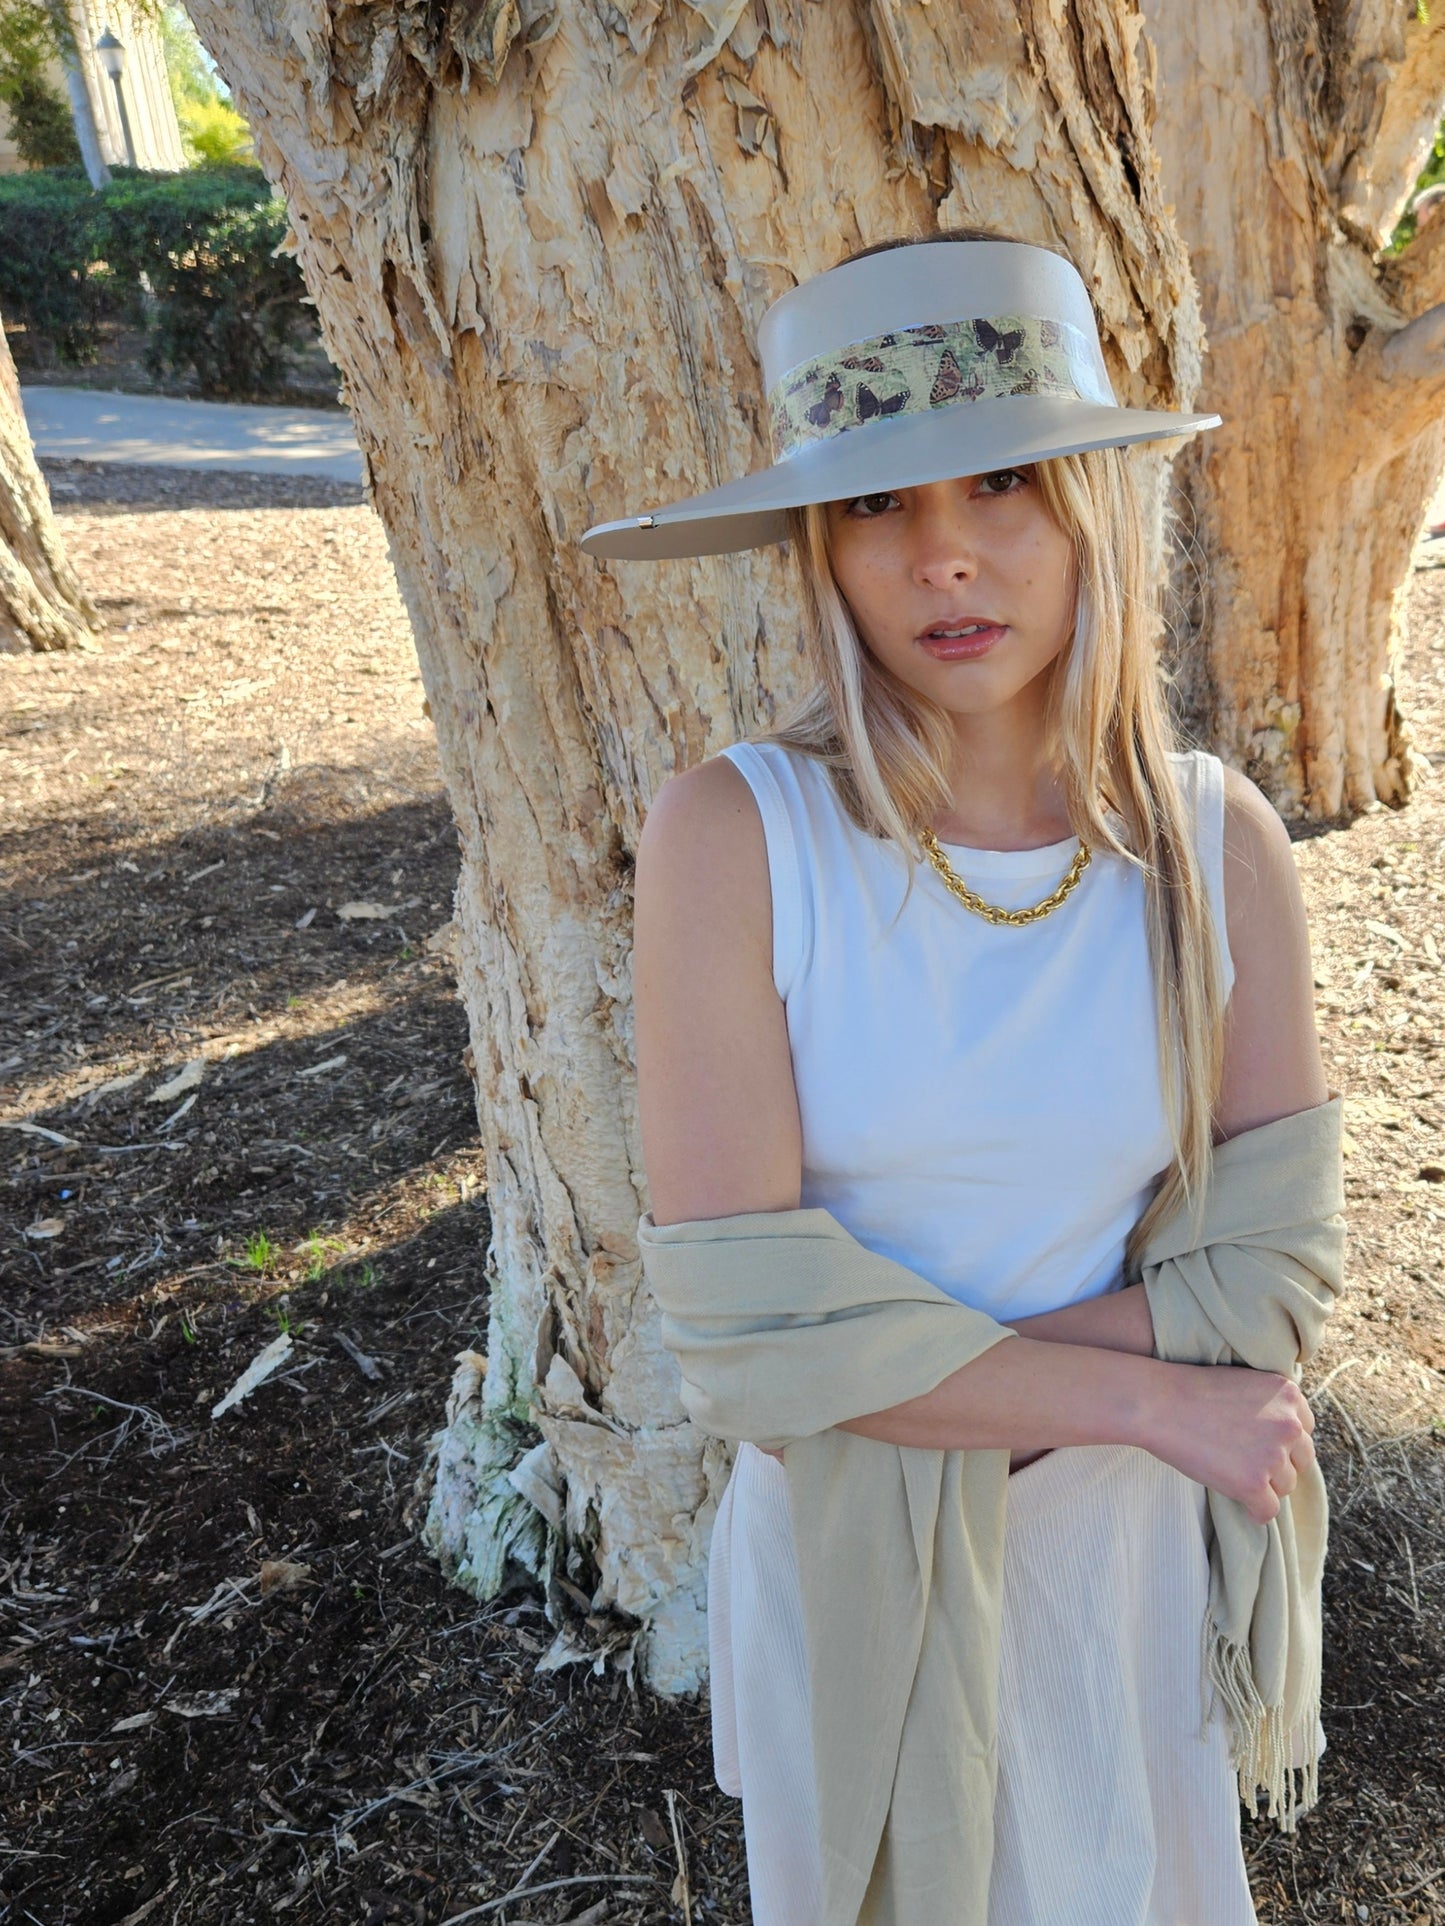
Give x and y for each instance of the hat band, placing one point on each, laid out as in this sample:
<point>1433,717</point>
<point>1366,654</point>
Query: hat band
<point>914,370</point>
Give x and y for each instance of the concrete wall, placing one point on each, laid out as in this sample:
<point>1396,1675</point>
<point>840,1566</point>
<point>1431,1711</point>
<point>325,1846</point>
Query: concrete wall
<point>154,129</point>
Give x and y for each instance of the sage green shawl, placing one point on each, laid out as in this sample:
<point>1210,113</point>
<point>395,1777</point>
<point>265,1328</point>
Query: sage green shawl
<point>785,1327</point>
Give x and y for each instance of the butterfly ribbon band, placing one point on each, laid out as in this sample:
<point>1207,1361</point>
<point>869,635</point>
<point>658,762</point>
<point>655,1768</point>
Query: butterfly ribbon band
<point>914,370</point>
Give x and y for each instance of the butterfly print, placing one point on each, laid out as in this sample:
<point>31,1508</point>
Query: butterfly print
<point>822,412</point>
<point>864,363</point>
<point>869,404</point>
<point>933,332</point>
<point>1050,334</point>
<point>1003,346</point>
<point>949,382</point>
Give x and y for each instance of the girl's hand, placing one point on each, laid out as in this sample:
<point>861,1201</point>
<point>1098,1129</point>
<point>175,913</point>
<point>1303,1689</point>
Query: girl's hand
<point>1241,1432</point>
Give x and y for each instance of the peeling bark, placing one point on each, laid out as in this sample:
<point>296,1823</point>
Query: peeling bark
<point>540,241</point>
<point>42,604</point>
<point>1289,138</point>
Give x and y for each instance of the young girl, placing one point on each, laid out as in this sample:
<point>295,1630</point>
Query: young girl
<point>974,954</point>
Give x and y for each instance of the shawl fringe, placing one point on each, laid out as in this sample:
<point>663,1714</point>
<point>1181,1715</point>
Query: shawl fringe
<point>1259,1747</point>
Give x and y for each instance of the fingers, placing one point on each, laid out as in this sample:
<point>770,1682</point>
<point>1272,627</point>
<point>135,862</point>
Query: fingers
<point>1286,1478</point>
<point>1264,1510</point>
<point>1283,1480</point>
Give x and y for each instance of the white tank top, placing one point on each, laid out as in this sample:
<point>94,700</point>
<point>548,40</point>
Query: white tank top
<point>979,1102</point>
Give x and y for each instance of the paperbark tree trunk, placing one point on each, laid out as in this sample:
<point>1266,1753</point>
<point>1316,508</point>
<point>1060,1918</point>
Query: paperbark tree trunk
<point>42,604</point>
<point>539,241</point>
<point>1290,137</point>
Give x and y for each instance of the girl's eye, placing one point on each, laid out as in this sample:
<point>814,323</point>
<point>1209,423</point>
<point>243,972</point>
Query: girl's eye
<point>1005,476</point>
<point>867,506</point>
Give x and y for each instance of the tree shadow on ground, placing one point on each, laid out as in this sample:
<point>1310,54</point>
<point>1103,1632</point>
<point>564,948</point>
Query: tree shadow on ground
<point>331,1054</point>
<point>124,488</point>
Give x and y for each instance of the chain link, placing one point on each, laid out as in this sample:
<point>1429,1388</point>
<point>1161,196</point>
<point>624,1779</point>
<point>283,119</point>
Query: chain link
<point>991,911</point>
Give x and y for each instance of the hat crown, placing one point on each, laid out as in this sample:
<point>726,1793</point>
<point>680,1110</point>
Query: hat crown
<point>921,284</point>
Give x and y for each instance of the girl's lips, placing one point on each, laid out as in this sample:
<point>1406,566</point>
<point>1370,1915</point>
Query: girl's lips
<point>955,648</point>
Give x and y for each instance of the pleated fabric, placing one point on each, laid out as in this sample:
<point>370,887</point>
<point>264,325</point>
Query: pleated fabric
<point>1115,1805</point>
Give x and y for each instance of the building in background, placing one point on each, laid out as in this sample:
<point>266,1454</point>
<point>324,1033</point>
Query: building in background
<point>115,85</point>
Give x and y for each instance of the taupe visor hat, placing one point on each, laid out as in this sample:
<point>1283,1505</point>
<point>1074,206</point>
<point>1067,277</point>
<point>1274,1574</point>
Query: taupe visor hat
<point>917,364</point>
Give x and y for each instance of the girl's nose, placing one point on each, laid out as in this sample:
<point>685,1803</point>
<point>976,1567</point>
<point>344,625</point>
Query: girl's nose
<point>943,550</point>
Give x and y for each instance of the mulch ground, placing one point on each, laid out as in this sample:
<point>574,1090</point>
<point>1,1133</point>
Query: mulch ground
<point>236,1113</point>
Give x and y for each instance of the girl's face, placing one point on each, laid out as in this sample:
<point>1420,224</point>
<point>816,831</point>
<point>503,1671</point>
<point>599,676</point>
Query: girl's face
<point>981,554</point>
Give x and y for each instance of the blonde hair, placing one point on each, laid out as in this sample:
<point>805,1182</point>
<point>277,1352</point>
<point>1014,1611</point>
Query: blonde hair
<point>889,753</point>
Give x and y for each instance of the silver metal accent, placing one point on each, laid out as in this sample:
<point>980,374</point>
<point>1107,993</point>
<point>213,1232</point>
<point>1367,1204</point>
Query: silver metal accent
<point>647,521</point>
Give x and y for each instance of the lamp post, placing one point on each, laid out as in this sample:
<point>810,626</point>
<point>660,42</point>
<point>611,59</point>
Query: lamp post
<point>112,58</point>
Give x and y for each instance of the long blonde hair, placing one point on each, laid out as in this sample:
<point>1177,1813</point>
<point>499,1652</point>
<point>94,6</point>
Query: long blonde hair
<point>889,752</point>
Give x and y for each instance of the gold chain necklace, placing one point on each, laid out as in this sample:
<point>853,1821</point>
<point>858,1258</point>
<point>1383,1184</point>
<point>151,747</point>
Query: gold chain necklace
<point>991,911</point>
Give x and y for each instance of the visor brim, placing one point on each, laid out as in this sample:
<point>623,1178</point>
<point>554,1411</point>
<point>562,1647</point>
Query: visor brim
<point>973,438</point>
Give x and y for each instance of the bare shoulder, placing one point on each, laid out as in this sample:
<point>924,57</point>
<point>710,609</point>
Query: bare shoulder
<point>1273,1065</point>
<point>1256,841</point>
<point>717,1105</point>
<point>710,804</point>
<point>703,851</point>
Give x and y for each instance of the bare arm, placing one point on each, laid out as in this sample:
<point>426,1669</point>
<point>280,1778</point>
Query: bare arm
<point>1115,1321</point>
<point>1272,1062</point>
<point>716,1098</point>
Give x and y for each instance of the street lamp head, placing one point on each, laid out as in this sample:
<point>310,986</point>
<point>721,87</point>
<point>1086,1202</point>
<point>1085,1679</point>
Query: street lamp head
<point>112,54</point>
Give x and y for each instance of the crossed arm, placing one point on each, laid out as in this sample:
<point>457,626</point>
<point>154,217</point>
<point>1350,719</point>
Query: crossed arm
<point>1117,1321</point>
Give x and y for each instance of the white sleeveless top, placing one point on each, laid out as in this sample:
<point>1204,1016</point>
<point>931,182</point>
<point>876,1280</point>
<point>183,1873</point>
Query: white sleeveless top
<point>979,1102</point>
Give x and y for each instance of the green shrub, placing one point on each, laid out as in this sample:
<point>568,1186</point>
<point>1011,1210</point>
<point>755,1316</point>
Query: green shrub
<point>214,133</point>
<point>40,123</point>
<point>39,118</point>
<point>51,277</point>
<point>192,255</point>
<point>227,306</point>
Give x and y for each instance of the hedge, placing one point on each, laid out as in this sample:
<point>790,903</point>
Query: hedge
<point>190,255</point>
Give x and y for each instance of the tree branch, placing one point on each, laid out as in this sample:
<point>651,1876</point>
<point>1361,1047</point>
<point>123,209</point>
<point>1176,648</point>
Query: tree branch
<point>1387,70</point>
<point>1397,382</point>
<point>1415,280</point>
<point>1417,351</point>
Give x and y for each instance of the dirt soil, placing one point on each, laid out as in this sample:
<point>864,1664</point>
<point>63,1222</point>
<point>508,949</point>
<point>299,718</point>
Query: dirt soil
<point>235,1111</point>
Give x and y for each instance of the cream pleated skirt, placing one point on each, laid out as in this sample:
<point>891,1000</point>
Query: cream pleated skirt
<point>1113,1807</point>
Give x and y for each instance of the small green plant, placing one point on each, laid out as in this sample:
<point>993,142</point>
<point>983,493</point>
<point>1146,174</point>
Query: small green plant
<point>188,1329</point>
<point>282,1315</point>
<point>317,1249</point>
<point>260,1253</point>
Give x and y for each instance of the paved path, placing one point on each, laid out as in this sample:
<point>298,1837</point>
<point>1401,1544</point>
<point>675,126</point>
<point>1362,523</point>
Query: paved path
<point>87,424</point>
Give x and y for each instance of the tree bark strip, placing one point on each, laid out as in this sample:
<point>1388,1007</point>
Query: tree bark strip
<point>42,604</point>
